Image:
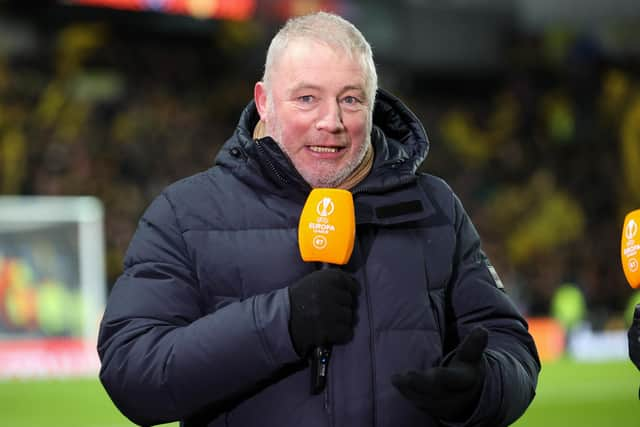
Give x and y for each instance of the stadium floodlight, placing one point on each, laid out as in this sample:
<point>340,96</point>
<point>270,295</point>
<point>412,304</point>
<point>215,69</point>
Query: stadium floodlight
<point>237,10</point>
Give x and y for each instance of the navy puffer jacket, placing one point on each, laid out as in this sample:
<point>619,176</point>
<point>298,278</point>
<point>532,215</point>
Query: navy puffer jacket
<point>196,328</point>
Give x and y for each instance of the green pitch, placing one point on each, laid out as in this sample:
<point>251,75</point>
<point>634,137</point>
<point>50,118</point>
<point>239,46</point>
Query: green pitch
<point>59,403</point>
<point>569,394</point>
<point>585,395</point>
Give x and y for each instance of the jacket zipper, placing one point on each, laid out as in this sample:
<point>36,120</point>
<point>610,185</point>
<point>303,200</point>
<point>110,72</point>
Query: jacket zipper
<point>269,163</point>
<point>327,402</point>
<point>374,391</point>
<point>284,180</point>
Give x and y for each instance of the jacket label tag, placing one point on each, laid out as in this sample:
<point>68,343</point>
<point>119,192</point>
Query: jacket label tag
<point>495,276</point>
<point>399,209</point>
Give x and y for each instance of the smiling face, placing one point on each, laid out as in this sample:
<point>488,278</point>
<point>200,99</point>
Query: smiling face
<point>317,110</point>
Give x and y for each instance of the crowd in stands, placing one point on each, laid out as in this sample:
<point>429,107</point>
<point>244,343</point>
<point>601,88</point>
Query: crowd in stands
<point>544,154</point>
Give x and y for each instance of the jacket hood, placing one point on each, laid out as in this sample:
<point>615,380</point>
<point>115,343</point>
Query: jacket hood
<point>404,137</point>
<point>399,141</point>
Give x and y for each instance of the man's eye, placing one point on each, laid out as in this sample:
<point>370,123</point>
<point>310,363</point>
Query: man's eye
<point>306,98</point>
<point>350,100</point>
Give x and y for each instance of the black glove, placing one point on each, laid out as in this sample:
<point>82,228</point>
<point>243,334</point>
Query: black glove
<point>322,309</point>
<point>634,338</point>
<point>449,392</point>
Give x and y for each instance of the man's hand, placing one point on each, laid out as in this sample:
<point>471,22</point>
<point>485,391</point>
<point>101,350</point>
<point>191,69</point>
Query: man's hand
<point>322,309</point>
<point>449,392</point>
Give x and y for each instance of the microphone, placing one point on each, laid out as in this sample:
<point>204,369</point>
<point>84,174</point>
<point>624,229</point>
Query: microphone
<point>630,248</point>
<point>326,234</point>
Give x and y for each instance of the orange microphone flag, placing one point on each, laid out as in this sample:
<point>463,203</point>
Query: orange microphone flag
<point>326,231</point>
<point>630,248</point>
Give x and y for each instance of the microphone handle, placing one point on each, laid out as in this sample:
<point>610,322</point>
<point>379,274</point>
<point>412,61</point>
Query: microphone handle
<point>319,368</point>
<point>320,361</point>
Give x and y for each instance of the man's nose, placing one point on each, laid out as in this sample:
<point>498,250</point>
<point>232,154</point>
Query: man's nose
<point>331,118</point>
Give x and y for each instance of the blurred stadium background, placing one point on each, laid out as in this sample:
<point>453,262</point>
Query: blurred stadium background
<point>532,107</point>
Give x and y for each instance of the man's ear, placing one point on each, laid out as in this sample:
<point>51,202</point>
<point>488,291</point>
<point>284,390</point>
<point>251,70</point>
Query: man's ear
<point>260,98</point>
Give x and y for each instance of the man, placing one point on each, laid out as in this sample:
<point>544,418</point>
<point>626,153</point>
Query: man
<point>634,338</point>
<point>214,319</point>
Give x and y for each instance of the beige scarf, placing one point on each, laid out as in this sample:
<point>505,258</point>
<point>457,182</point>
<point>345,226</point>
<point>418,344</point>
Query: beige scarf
<point>352,180</point>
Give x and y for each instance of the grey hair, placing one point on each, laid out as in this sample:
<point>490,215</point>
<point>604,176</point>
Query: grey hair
<point>333,30</point>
